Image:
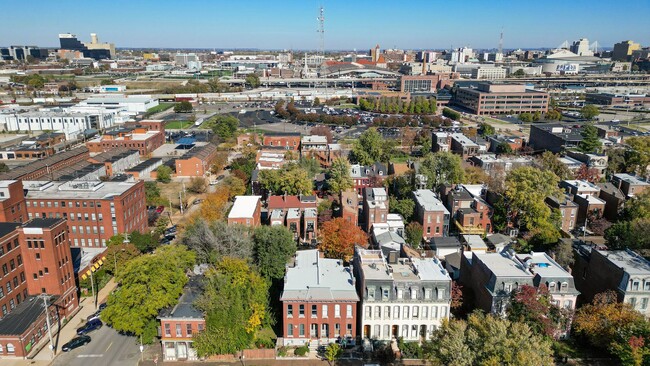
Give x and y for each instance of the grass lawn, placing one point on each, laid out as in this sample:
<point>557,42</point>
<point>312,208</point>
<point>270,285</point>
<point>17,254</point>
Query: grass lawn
<point>178,125</point>
<point>159,108</point>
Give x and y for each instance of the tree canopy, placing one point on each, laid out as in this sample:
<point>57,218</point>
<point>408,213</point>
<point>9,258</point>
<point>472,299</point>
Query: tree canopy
<point>550,162</point>
<point>526,191</point>
<point>213,239</point>
<point>338,176</point>
<point>183,107</point>
<point>223,125</point>
<point>339,237</point>
<point>404,207</point>
<point>590,141</point>
<point>290,179</point>
<point>164,174</point>
<point>272,248</point>
<point>442,168</point>
<point>487,340</point>
<point>368,148</point>
<point>149,283</point>
<point>534,306</point>
<point>253,80</point>
<point>589,111</point>
<point>235,301</point>
<point>413,234</point>
<point>616,327</point>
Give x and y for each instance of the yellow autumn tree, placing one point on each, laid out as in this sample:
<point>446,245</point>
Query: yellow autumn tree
<point>235,300</point>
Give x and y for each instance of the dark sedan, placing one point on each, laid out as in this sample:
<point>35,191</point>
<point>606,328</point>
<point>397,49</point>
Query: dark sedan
<point>76,342</point>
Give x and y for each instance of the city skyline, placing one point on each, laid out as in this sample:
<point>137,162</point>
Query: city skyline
<point>292,25</point>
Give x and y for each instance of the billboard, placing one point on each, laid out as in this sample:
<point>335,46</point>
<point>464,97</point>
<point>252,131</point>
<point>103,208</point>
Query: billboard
<point>567,68</point>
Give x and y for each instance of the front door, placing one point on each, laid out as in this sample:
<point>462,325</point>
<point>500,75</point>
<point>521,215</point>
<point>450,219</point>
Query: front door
<point>324,330</point>
<point>313,330</point>
<point>181,350</point>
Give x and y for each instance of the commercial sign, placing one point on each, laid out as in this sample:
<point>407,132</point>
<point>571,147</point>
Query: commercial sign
<point>567,68</point>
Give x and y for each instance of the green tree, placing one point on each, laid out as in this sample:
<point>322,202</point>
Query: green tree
<point>235,301</point>
<point>253,80</point>
<point>486,129</point>
<point>487,340</point>
<point>450,113</point>
<point>553,115</point>
<point>146,242</point>
<point>404,207</point>
<point>333,352</point>
<point>504,148</point>
<point>316,102</point>
<point>149,283</point>
<point>368,149</point>
<point>413,234</point>
<point>3,168</point>
<point>550,162</point>
<point>637,157</point>
<point>526,117</point>
<point>183,107</point>
<point>223,125</point>
<point>338,176</point>
<point>311,165</point>
<point>526,191</point>
<point>589,111</point>
<point>164,174</point>
<point>119,254</point>
<point>290,179</point>
<point>442,168</point>
<point>590,141</point>
<point>272,248</point>
<point>519,73</point>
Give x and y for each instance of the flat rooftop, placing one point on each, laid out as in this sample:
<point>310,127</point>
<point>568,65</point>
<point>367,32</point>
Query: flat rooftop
<point>501,265</point>
<point>315,278</point>
<point>75,189</point>
<point>428,200</point>
<point>543,264</point>
<point>244,207</point>
<point>629,261</point>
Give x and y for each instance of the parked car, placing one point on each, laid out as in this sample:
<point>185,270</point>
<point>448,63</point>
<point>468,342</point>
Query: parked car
<point>90,326</point>
<point>94,315</point>
<point>102,306</point>
<point>76,342</point>
<point>160,209</point>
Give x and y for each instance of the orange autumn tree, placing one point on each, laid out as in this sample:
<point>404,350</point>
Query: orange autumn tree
<point>339,237</point>
<point>214,205</point>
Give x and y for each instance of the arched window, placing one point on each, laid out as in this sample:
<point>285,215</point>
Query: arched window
<point>10,348</point>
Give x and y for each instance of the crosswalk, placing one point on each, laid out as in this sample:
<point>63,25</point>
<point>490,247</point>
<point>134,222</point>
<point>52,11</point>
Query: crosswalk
<point>90,356</point>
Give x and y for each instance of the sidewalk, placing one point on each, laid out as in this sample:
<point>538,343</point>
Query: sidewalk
<point>67,332</point>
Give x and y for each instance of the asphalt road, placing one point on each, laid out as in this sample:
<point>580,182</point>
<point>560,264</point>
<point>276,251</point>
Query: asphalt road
<point>107,348</point>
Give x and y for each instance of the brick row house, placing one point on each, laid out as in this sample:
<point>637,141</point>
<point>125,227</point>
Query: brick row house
<point>319,300</point>
<point>299,214</point>
<point>180,323</point>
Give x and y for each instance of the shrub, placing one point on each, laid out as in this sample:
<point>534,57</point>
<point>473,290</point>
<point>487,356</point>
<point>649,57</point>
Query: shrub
<point>282,351</point>
<point>301,351</point>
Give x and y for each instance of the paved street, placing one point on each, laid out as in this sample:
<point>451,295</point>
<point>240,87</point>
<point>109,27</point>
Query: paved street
<point>107,348</point>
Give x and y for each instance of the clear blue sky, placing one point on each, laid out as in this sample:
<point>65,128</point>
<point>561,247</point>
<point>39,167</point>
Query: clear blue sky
<point>349,24</point>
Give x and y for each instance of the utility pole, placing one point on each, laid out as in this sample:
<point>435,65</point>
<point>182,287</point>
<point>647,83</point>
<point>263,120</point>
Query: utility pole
<point>180,200</point>
<point>47,320</point>
<point>92,286</point>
